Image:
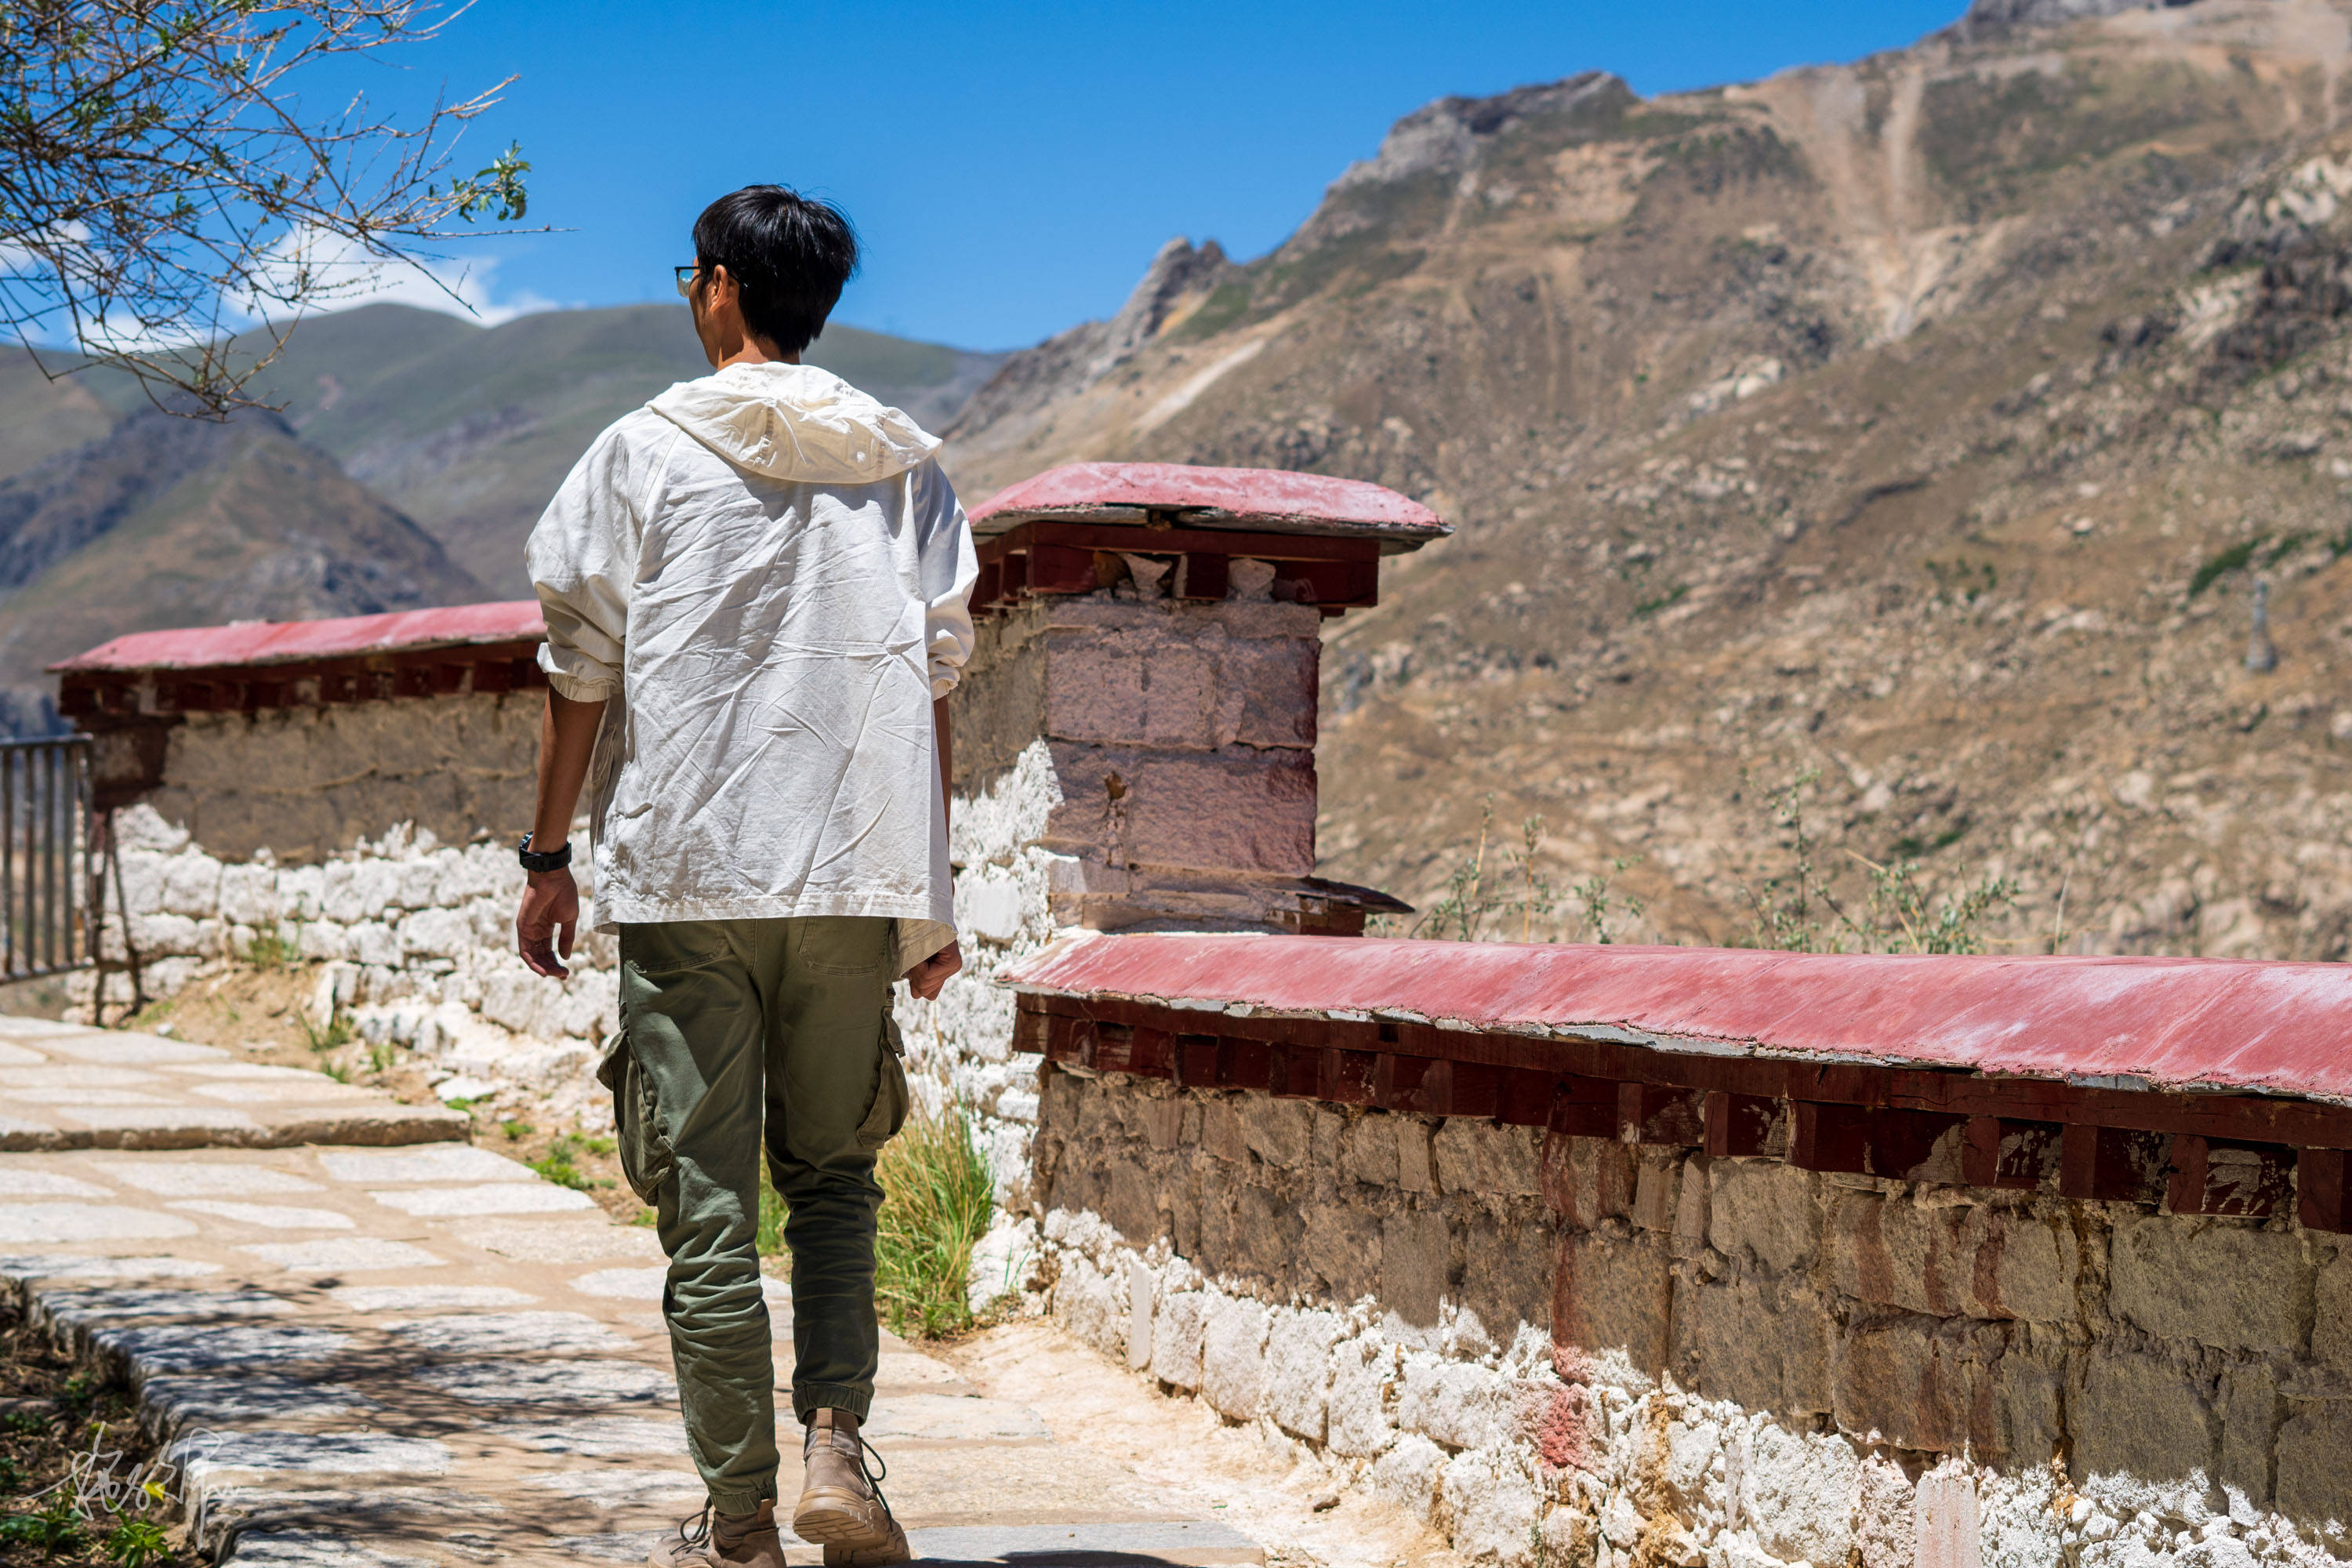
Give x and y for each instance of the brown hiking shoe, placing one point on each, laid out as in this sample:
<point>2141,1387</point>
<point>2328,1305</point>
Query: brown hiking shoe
<point>841,1505</point>
<point>715,1540</point>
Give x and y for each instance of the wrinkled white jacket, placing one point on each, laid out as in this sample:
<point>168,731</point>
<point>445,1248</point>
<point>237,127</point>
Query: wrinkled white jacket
<point>765,574</point>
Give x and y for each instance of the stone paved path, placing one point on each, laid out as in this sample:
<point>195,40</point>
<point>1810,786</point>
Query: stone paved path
<point>426,1355</point>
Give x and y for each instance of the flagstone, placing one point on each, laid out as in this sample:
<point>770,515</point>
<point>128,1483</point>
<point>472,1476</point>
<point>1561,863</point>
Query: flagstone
<point>269,1216</point>
<point>86,1222</point>
<point>550,1382</point>
<point>489,1197</point>
<point>425,1298</point>
<point>508,1333</point>
<point>340,1254</point>
<point>191,1178</point>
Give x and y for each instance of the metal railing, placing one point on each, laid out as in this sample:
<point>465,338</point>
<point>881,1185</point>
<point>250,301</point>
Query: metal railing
<point>46,875</point>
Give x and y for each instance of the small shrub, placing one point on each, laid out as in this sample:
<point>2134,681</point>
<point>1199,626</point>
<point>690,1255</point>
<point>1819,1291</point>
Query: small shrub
<point>268,951</point>
<point>941,1196</point>
<point>558,1166</point>
<point>381,1055</point>
<point>55,1528</point>
<point>334,1036</point>
<point>515,1131</point>
<point>2234,559</point>
<point>136,1542</point>
<point>772,1210</point>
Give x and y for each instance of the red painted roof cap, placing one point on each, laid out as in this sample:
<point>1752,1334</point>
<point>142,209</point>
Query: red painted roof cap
<point>2207,1023</point>
<point>1273,500</point>
<point>285,642</point>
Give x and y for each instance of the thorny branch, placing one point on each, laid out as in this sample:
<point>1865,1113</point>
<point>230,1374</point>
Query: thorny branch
<point>162,182</point>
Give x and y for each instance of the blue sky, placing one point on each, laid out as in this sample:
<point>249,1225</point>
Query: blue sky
<point>1012,168</point>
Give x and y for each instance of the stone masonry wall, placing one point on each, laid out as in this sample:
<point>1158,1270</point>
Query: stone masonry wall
<point>414,938</point>
<point>1121,759</point>
<point>306,784</point>
<point>1577,1351</point>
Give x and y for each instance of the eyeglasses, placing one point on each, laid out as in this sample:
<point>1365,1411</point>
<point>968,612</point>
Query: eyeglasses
<point>686,276</point>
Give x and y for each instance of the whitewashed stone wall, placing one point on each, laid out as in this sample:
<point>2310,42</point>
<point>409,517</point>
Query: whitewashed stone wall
<point>412,941</point>
<point>1570,1350</point>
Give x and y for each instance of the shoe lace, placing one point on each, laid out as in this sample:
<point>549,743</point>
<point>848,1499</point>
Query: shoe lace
<point>871,1465</point>
<point>695,1530</point>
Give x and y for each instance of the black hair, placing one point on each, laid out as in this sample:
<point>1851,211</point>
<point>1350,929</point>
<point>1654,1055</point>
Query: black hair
<point>788,256</point>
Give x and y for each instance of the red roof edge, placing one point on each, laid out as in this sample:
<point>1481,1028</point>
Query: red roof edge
<point>1233,498</point>
<point>2134,1022</point>
<point>283,642</point>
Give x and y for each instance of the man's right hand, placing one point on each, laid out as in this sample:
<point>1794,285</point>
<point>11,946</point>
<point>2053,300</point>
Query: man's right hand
<point>549,917</point>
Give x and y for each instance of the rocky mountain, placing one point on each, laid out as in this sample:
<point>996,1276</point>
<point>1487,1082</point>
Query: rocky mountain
<point>413,453</point>
<point>164,521</point>
<point>469,430</point>
<point>1875,465</point>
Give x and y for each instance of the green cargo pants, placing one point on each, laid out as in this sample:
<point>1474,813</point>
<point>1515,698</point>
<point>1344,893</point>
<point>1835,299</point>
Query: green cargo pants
<point>727,1025</point>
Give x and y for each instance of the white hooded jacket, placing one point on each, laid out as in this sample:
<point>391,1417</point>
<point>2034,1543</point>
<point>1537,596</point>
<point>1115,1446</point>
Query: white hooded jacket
<point>764,573</point>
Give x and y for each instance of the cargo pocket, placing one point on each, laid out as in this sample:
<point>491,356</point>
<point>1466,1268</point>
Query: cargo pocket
<point>888,1113</point>
<point>647,1160</point>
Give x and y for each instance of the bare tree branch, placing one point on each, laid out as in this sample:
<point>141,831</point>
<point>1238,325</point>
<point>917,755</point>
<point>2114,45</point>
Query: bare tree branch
<point>162,184</point>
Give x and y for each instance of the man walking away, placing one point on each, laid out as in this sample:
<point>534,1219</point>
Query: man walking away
<point>755,596</point>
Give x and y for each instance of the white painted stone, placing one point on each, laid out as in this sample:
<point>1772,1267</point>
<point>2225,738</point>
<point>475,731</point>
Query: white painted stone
<point>451,1091</point>
<point>68,1266</point>
<point>18,1056</point>
<point>86,1222</point>
<point>190,1179</point>
<point>1298,1371</point>
<point>510,1333</point>
<point>310,1086</point>
<point>1460,1403</point>
<point>425,1298</point>
<point>198,1347</point>
<point>1799,1491</point>
<point>312,1549</point>
<point>1142,1289</point>
<point>266,1216</point>
<point>1406,1476</point>
<point>203,1456</point>
<point>491,1197</point>
<point>1177,1324</point>
<point>16,1182</point>
<point>443,1162</point>
<point>549,1381</point>
<point>601,1437</point>
<point>352,1255</point>
<point>1233,1357</point>
<point>1491,1503</point>
<point>1359,1422</point>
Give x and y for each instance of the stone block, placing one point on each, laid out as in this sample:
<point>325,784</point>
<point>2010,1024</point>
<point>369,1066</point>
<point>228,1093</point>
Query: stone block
<point>1946,1523</point>
<point>512,1333</point>
<point>2331,1323</point>
<point>1759,1351</point>
<point>1233,1357</point>
<point>1142,1287</point>
<point>2144,1419</point>
<point>1481,1157</point>
<point>2315,1483</point>
<point>1657,1190</point>
<point>1276,1130</point>
<point>2028,1380</point>
<point>1220,1131</point>
<point>1234,809</point>
<point>1507,1275</point>
<point>1885,1535</point>
<point>1765,1210</point>
<point>1371,1155</point>
<point>1415,1171</point>
<point>1298,1371</point>
<point>1416,1264</point>
<point>1131,1201</point>
<point>1406,1477</point>
<point>1341,1246</point>
<point>1162,1119</point>
<point>2023,1263</point>
<point>1799,1491</point>
<point>1253,1231</point>
<point>1359,1423</point>
<point>1460,1403</point>
<point>1903,1378</point>
<point>2251,1413</point>
<point>1178,1323</point>
<point>1088,1308</point>
<point>2249,1283</point>
<point>1610,1302</point>
<point>1491,1504</point>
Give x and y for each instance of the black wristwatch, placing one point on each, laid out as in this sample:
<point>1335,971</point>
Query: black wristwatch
<point>533,860</point>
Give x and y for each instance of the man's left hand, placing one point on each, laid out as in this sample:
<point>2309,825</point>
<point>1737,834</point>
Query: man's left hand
<point>925,978</point>
<point>545,923</point>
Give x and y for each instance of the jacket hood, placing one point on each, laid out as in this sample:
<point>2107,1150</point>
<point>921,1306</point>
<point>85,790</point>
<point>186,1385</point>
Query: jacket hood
<point>796,422</point>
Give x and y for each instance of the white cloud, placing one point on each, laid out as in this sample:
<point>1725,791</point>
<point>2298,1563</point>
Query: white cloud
<point>351,277</point>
